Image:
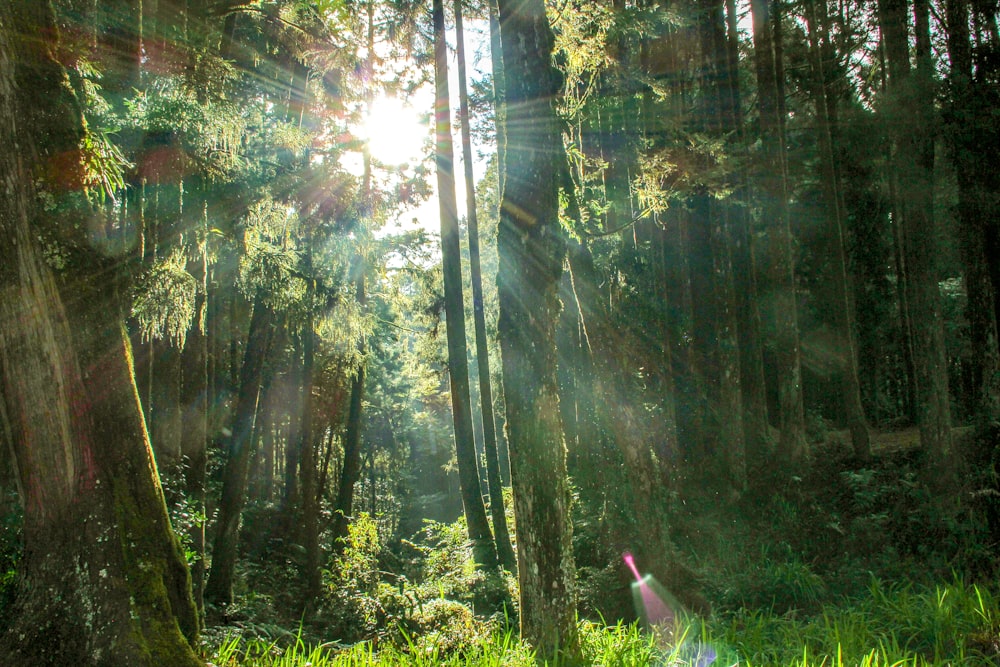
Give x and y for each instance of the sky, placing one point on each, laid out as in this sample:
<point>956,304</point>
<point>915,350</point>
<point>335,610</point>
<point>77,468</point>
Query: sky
<point>426,214</point>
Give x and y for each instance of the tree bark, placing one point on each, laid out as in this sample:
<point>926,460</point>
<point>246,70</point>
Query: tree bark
<point>532,249</point>
<point>102,580</point>
<point>484,549</point>
<point>969,147</point>
<point>311,576</point>
<point>501,534</point>
<point>779,292</point>
<point>843,310</point>
<point>219,589</point>
<point>350,471</point>
<point>913,143</point>
<point>194,435</point>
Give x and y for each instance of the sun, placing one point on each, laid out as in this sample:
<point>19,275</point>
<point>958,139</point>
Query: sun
<point>396,133</point>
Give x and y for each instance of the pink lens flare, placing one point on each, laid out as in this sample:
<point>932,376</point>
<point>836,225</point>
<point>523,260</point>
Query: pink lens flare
<point>657,612</point>
<point>630,561</point>
<point>660,612</point>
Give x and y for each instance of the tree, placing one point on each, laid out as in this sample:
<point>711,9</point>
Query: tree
<point>454,306</point>
<point>970,140</point>
<point>219,589</point>
<point>833,198</point>
<point>97,537</point>
<point>531,249</point>
<point>911,110</point>
<point>501,534</point>
<point>779,288</point>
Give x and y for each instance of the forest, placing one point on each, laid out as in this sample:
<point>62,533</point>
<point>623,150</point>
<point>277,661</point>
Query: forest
<point>500,333</point>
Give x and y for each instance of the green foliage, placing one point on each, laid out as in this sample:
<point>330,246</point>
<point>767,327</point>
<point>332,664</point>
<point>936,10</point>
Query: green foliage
<point>957,625</point>
<point>104,165</point>
<point>774,579</point>
<point>164,303</point>
<point>270,255</point>
<point>449,571</point>
<point>350,606</point>
<point>11,520</point>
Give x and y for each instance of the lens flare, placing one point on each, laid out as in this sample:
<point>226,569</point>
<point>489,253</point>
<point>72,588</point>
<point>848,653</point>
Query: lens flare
<point>630,561</point>
<point>659,610</point>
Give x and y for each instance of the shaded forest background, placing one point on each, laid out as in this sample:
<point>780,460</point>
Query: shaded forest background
<point>749,255</point>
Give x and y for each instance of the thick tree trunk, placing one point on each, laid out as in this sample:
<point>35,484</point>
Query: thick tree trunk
<point>501,534</point>
<point>219,590</point>
<point>532,249</point>
<point>102,578</point>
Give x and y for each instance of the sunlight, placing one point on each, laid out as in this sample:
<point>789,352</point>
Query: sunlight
<point>396,132</point>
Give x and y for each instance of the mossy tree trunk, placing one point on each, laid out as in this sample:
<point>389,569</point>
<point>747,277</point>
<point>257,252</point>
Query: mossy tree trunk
<point>532,249</point>
<point>102,577</point>
<point>194,436</point>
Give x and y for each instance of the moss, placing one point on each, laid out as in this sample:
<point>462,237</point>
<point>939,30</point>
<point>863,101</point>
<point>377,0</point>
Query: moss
<point>153,564</point>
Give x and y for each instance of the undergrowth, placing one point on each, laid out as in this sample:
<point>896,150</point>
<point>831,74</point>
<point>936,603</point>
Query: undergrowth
<point>957,625</point>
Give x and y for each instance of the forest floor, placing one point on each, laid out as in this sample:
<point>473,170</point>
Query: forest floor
<point>890,441</point>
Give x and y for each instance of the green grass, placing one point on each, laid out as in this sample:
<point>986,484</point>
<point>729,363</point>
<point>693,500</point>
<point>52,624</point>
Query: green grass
<point>957,625</point>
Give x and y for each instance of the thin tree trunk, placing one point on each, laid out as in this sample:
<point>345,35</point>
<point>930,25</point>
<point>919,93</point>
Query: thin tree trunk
<point>780,290</point>
<point>499,96</point>
<point>505,552</point>
<point>219,589</point>
<point>351,469</point>
<point>194,436</point>
<point>307,470</point>
<point>843,315</point>
<point>484,549</point>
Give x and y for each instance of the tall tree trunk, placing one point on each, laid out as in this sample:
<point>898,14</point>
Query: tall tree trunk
<point>756,428</point>
<point>843,310</point>
<point>350,470</point>
<point>194,403</point>
<point>911,100</point>
<point>968,149</point>
<point>96,533</point>
<point>505,552</point>
<point>715,300</point>
<point>532,249</point>
<point>308,472</point>
<point>780,289</point>
<point>484,549</point>
<point>219,590</point>
<point>499,96</point>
